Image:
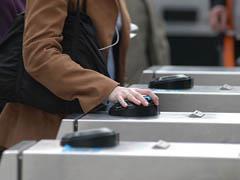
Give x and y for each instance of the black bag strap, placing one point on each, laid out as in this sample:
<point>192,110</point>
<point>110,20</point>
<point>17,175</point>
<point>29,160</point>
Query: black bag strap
<point>78,8</point>
<point>84,6</point>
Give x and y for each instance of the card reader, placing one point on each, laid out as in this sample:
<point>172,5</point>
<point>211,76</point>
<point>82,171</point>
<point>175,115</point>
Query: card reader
<point>180,81</point>
<point>102,137</point>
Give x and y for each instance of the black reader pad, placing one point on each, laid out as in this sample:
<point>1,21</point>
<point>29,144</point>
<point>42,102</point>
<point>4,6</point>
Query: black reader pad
<point>102,137</point>
<point>180,81</point>
<point>133,110</point>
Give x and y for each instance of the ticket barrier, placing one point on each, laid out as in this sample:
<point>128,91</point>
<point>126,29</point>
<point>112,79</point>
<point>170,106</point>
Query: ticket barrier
<point>202,75</point>
<point>202,98</point>
<point>130,160</point>
<point>169,126</point>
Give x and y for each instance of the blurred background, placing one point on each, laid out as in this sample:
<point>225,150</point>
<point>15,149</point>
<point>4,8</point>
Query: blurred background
<point>182,32</point>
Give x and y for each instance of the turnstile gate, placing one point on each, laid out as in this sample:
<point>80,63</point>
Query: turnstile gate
<point>169,126</point>
<point>132,160</point>
<point>202,75</point>
<point>202,98</point>
<point>129,160</point>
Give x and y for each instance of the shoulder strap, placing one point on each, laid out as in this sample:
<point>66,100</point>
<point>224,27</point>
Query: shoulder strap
<point>84,6</point>
<point>78,7</point>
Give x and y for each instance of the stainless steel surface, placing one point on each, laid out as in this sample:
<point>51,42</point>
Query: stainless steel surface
<point>9,165</point>
<point>202,75</point>
<point>65,127</point>
<point>169,126</point>
<point>134,161</point>
<point>202,98</point>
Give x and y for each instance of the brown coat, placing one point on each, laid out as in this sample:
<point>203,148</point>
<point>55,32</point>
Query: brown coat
<point>45,62</point>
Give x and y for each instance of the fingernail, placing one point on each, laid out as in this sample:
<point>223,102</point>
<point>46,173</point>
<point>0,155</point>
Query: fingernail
<point>125,104</point>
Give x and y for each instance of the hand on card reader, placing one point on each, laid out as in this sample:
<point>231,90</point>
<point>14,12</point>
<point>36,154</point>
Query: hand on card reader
<point>180,81</point>
<point>133,110</point>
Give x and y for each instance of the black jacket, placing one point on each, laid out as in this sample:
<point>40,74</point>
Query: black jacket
<point>217,2</point>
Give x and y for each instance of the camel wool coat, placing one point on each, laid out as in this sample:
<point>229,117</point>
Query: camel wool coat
<point>45,62</point>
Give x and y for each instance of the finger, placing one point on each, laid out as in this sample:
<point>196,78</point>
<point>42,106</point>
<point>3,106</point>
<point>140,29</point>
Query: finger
<point>149,93</point>
<point>133,99</point>
<point>140,97</point>
<point>155,99</point>
<point>122,101</point>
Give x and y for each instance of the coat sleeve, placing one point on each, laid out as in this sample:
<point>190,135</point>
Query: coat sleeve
<point>217,2</point>
<point>45,62</point>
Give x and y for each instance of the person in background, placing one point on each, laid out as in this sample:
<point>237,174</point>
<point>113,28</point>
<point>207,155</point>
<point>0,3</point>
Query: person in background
<point>45,62</point>
<point>218,15</point>
<point>8,12</point>
<point>150,46</point>
<point>218,21</point>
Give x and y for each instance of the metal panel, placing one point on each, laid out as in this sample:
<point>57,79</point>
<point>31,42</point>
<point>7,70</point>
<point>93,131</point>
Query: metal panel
<point>203,98</point>
<point>65,127</point>
<point>202,75</point>
<point>133,160</point>
<point>170,126</point>
<point>9,166</point>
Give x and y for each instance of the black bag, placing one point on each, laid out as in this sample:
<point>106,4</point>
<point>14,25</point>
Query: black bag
<point>16,85</point>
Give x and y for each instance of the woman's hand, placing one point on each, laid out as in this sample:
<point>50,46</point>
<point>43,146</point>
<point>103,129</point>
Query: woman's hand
<point>134,95</point>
